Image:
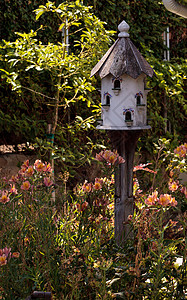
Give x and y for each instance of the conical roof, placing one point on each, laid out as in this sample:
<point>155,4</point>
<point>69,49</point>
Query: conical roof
<point>122,58</point>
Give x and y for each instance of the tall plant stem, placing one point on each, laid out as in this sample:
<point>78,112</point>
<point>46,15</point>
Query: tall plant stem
<point>57,100</point>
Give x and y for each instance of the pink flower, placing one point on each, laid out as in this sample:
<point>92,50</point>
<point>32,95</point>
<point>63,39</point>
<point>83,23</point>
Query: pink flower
<point>110,157</point>
<point>22,170</point>
<point>130,217</point>
<point>7,252</point>
<point>47,181</point>
<point>4,197</point>
<point>173,202</point>
<point>152,199</point>
<point>47,167</point>
<point>143,167</point>
<point>87,187</point>
<point>164,200</point>
<point>26,163</point>
<point>13,179</point>
<point>112,180</point>
<point>173,185</point>
<point>39,166</point>
<point>26,185</point>
<point>184,191</point>
<point>13,190</point>
<point>181,150</point>
<point>120,160</point>
<point>30,171</point>
<point>100,180</point>
<point>26,241</point>
<point>97,186</point>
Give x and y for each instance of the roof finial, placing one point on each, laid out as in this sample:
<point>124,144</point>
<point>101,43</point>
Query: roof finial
<point>123,28</point>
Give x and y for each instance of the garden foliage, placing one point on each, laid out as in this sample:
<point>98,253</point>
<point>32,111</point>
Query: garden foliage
<point>37,75</point>
<point>68,247</point>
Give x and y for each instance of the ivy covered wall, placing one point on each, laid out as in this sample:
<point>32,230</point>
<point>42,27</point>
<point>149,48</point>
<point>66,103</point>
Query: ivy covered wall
<point>24,113</point>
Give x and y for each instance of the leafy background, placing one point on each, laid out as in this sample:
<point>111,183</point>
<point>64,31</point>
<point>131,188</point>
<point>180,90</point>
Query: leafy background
<point>24,116</point>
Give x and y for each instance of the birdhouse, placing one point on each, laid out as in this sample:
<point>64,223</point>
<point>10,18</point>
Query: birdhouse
<point>123,72</point>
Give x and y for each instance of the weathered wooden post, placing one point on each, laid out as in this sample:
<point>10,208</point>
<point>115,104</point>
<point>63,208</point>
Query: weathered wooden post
<point>123,72</point>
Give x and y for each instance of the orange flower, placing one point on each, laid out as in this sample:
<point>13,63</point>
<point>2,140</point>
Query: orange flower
<point>110,206</point>
<point>3,260</point>
<point>26,241</point>
<point>97,186</point>
<point>25,186</point>
<point>164,200</point>
<point>15,254</point>
<point>4,197</point>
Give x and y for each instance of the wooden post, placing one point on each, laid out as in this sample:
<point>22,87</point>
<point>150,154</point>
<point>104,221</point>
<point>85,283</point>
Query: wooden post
<point>125,143</point>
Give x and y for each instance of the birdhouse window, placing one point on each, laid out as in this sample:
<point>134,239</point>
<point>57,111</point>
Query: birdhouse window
<point>108,100</point>
<point>139,99</point>
<point>128,116</point>
<point>117,84</point>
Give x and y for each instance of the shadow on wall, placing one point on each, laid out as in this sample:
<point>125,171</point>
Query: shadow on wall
<point>10,163</point>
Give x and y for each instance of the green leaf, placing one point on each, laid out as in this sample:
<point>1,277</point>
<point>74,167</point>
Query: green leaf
<point>39,13</point>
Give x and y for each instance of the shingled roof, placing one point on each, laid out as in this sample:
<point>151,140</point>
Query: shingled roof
<point>122,58</point>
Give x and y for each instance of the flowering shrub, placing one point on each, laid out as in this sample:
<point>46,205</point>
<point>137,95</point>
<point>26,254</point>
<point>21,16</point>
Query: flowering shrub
<point>70,249</point>
<point>111,158</point>
<point>181,150</point>
<point>163,200</point>
<point>5,255</point>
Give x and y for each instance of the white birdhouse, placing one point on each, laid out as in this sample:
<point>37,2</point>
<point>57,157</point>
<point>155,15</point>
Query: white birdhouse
<point>123,72</point>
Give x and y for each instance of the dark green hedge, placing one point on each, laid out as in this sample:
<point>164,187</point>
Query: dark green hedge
<point>23,116</point>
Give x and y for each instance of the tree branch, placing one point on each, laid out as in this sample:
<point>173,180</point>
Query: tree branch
<point>33,91</point>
